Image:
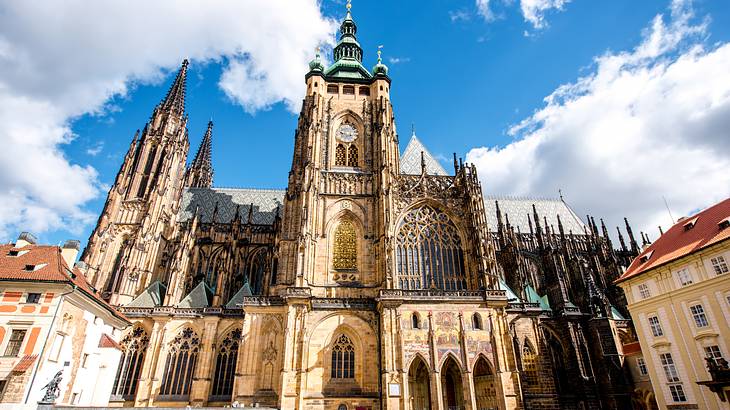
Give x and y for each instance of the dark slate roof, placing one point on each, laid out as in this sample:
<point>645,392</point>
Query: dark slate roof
<point>265,202</point>
<point>410,161</point>
<point>518,210</point>
<point>150,297</point>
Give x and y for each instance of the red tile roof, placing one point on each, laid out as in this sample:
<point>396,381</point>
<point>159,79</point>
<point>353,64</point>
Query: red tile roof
<point>25,363</point>
<point>687,236</point>
<point>13,268</point>
<point>107,341</point>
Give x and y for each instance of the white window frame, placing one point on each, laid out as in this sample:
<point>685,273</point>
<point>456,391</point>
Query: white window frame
<point>655,326</point>
<point>712,351</point>
<point>684,277</point>
<point>644,292</point>
<point>670,370</point>
<point>719,265</point>
<point>56,347</point>
<point>641,364</point>
<point>699,315</point>
<point>677,392</point>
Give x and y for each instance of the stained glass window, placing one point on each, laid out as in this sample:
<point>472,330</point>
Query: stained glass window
<point>344,253</point>
<point>343,359</point>
<point>180,365</point>
<point>429,252</point>
<point>529,365</point>
<point>134,345</point>
<point>225,364</point>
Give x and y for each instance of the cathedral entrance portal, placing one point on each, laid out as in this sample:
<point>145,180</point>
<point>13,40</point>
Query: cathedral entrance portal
<point>484,389</point>
<point>420,394</point>
<point>451,389</point>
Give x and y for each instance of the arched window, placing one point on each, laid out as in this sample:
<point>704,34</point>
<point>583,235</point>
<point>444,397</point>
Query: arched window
<point>256,271</point>
<point>429,252</point>
<point>115,275</point>
<point>343,358</point>
<point>344,251</point>
<point>134,346</point>
<point>529,365</point>
<point>180,365</point>
<point>225,365</point>
<point>415,321</point>
<point>340,156</point>
<point>476,322</point>
<point>352,156</point>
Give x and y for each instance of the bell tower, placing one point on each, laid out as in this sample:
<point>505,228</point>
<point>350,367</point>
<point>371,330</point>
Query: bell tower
<point>345,154</point>
<point>124,250</point>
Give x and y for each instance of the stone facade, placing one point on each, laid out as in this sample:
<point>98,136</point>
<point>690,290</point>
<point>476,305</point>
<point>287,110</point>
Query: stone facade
<point>362,285</point>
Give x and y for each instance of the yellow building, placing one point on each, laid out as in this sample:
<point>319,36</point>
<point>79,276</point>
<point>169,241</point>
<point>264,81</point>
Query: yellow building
<point>678,290</point>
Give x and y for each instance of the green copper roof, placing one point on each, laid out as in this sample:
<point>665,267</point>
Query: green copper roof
<point>616,314</point>
<point>201,296</point>
<point>347,68</point>
<point>533,297</point>
<point>511,295</point>
<point>237,299</point>
<point>150,297</point>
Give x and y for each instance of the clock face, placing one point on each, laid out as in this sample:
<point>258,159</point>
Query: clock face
<point>346,133</point>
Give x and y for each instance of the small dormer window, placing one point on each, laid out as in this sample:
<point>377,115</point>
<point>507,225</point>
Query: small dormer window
<point>690,224</point>
<point>646,257</point>
<point>724,223</point>
<point>16,252</point>
<point>30,268</point>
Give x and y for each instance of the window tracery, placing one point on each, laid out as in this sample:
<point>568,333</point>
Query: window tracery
<point>225,365</point>
<point>344,252</point>
<point>134,346</point>
<point>352,156</point>
<point>529,364</point>
<point>343,358</point>
<point>340,156</point>
<point>429,252</point>
<point>180,364</point>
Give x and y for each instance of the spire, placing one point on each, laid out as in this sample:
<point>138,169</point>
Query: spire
<point>632,241</point>
<point>348,47</point>
<point>200,172</point>
<point>621,240</point>
<point>175,98</point>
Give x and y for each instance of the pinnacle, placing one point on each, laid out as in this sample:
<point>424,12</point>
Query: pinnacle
<point>200,173</point>
<point>175,98</point>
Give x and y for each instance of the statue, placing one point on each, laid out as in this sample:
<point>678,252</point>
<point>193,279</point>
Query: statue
<point>52,389</point>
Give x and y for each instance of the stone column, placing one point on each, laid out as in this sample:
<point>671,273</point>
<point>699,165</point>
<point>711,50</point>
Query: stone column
<point>148,382</point>
<point>466,378</point>
<point>200,388</point>
<point>437,402</point>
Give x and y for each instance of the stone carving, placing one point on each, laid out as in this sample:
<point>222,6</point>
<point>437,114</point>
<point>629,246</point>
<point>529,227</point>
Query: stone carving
<point>52,389</point>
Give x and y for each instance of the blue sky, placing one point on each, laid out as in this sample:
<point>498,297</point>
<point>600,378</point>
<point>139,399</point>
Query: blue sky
<point>464,80</point>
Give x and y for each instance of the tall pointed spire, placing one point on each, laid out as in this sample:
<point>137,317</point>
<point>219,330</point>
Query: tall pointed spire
<point>200,172</point>
<point>175,98</point>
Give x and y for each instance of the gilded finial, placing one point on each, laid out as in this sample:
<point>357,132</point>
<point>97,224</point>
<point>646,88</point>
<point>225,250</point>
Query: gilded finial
<point>349,5</point>
<point>380,51</point>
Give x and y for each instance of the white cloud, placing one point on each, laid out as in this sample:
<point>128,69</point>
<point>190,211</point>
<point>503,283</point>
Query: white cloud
<point>648,123</point>
<point>484,10</point>
<point>61,60</point>
<point>398,60</point>
<point>533,11</point>
<point>95,149</point>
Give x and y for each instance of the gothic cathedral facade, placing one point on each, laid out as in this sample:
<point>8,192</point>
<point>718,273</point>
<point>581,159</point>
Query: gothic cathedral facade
<point>375,280</point>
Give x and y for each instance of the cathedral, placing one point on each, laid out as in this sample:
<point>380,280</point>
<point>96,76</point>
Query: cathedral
<point>374,280</point>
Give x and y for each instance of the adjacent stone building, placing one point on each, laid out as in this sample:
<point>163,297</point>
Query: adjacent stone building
<point>374,280</point>
<point>52,320</point>
<point>678,292</point>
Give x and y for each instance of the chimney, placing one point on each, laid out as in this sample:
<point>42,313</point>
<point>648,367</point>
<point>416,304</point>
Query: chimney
<point>69,251</point>
<point>25,239</point>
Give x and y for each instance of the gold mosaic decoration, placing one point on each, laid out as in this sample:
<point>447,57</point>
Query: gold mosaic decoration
<point>344,254</point>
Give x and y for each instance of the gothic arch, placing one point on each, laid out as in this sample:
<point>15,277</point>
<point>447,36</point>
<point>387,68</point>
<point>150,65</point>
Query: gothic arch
<point>356,212</point>
<point>179,368</point>
<point>430,250</point>
<point>344,231</point>
<point>226,358</point>
<point>134,348</point>
<point>419,389</point>
<point>452,374</point>
<point>451,355</point>
<point>485,386</point>
<point>341,151</point>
